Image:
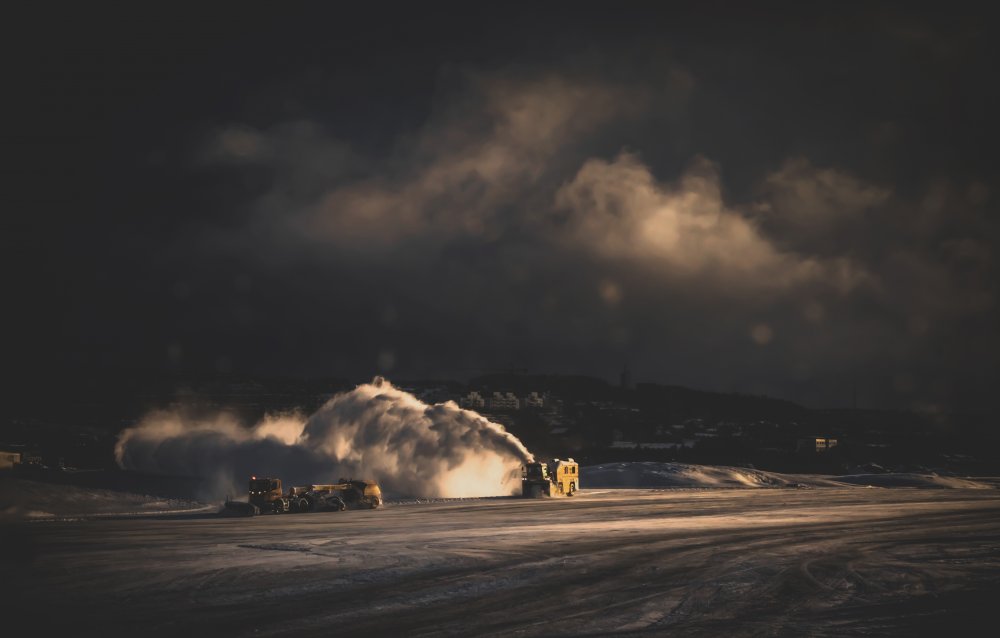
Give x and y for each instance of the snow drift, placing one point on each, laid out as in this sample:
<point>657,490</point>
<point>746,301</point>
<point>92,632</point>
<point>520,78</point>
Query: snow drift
<point>375,431</point>
<point>22,499</point>
<point>679,475</point>
<point>651,474</point>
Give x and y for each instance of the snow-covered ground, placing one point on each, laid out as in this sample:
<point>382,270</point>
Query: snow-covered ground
<point>832,561</point>
<point>649,474</point>
<point>34,500</point>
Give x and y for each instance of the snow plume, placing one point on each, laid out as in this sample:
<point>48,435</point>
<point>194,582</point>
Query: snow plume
<point>375,431</point>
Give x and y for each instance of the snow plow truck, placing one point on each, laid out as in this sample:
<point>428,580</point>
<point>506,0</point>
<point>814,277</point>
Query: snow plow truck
<point>558,477</point>
<point>267,496</point>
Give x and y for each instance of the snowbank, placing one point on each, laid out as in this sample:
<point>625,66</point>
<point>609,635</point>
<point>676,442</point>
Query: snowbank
<point>650,474</point>
<point>913,480</point>
<point>678,475</point>
<point>22,499</point>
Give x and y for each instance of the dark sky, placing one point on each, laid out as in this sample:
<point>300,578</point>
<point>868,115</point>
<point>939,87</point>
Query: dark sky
<point>768,201</point>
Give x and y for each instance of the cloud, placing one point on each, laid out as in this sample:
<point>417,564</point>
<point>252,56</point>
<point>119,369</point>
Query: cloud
<point>476,157</point>
<point>517,227</point>
<point>294,149</point>
<point>465,171</point>
<point>684,230</point>
<point>815,209</point>
<point>496,162</point>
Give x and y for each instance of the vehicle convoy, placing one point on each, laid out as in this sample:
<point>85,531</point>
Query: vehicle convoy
<point>558,477</point>
<point>267,495</point>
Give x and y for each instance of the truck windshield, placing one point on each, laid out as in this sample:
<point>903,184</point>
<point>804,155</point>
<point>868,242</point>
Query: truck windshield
<point>535,471</point>
<point>260,485</point>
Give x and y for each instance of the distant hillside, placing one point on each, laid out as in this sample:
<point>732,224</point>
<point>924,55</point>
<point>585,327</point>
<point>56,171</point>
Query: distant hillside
<point>668,400</point>
<point>682,401</point>
<point>566,386</point>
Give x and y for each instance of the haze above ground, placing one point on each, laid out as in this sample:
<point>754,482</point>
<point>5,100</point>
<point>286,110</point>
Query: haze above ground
<point>554,416</point>
<point>793,202</point>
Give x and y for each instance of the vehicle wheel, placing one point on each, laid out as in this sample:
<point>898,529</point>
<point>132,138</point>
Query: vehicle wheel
<point>374,503</point>
<point>304,505</point>
<point>277,507</point>
<point>572,489</point>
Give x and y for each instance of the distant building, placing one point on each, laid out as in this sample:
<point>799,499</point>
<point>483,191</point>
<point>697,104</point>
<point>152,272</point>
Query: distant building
<point>816,444</point>
<point>534,400</point>
<point>9,459</point>
<point>506,401</point>
<point>473,400</point>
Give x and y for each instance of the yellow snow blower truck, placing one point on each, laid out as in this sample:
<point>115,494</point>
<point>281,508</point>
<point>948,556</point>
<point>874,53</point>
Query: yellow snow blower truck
<point>558,477</point>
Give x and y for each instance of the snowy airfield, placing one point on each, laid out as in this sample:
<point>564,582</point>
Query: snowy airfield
<point>692,551</point>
